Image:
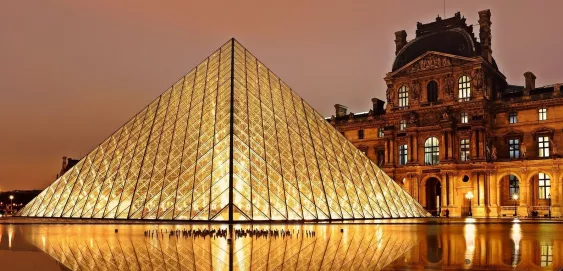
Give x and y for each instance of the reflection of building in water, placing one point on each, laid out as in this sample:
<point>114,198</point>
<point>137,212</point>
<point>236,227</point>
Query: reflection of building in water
<point>484,247</point>
<point>453,124</point>
<point>357,248</point>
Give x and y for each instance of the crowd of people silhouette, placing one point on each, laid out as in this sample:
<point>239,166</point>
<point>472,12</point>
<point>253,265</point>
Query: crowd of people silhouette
<point>223,233</point>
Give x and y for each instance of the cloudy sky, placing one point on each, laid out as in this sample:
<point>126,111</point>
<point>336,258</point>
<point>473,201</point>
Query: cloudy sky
<point>71,72</point>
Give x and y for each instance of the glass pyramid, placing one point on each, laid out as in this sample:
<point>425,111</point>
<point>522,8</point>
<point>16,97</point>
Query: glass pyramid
<point>229,141</point>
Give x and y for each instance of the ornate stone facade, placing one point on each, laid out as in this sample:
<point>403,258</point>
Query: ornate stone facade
<point>461,129</point>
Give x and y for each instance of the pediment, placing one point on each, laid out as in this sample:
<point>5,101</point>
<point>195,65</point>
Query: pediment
<point>431,60</point>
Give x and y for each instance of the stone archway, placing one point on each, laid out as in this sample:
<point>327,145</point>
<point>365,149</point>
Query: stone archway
<point>433,188</point>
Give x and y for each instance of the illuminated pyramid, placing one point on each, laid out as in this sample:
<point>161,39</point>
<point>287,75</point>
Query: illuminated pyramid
<point>229,141</point>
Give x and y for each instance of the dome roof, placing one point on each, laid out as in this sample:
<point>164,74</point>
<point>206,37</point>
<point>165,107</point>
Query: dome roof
<point>455,41</point>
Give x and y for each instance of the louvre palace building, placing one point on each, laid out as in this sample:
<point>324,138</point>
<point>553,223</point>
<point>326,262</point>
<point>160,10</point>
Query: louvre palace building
<point>455,134</point>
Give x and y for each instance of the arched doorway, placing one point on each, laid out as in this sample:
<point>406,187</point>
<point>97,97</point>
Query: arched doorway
<point>433,196</point>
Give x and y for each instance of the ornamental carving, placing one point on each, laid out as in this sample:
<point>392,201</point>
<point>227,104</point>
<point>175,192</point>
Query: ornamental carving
<point>390,94</point>
<point>478,78</point>
<point>415,88</point>
<point>449,84</point>
<point>430,62</point>
<point>431,118</point>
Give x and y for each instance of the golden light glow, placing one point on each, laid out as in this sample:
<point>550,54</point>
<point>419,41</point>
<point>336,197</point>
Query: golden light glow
<point>212,135</point>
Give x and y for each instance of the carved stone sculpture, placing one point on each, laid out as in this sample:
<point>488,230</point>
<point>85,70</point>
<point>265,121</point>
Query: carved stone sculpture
<point>449,84</point>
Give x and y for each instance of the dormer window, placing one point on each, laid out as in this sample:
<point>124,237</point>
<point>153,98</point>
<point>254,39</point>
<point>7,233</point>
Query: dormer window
<point>403,96</point>
<point>464,85</point>
<point>432,91</point>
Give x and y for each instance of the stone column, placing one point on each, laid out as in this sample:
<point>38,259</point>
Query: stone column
<point>473,144</point>
<point>524,194</point>
<point>410,148</point>
<point>483,144</point>
<point>415,148</point>
<point>451,144</point>
<point>387,160</point>
<point>443,146</point>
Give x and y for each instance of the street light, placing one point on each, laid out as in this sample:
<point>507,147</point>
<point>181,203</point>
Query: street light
<point>469,196</point>
<point>11,203</point>
<point>515,198</point>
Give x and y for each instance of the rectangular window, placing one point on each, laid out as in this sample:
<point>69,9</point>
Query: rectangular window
<point>542,114</point>
<point>360,134</point>
<point>403,154</point>
<point>543,146</point>
<point>546,255</point>
<point>513,117</point>
<point>403,125</point>
<point>514,186</point>
<point>380,132</point>
<point>464,150</point>
<point>464,118</point>
<point>544,184</point>
<point>514,148</point>
<point>403,97</point>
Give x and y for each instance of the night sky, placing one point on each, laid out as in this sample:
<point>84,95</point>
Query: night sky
<point>72,72</point>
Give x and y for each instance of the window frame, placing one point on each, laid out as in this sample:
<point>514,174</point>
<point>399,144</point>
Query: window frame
<point>465,149</point>
<point>381,132</point>
<point>432,93</point>
<point>513,185</point>
<point>464,117</point>
<point>403,154</point>
<point>512,117</point>
<point>464,88</point>
<point>544,186</point>
<point>403,95</point>
<point>402,125</point>
<point>543,146</point>
<point>546,256</point>
<point>542,114</point>
<point>431,151</point>
<point>514,148</point>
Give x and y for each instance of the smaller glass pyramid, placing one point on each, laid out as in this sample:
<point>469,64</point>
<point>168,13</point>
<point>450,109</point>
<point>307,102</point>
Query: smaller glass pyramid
<point>229,141</point>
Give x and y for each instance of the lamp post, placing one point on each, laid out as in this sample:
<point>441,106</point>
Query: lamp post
<point>469,196</point>
<point>515,198</point>
<point>12,203</point>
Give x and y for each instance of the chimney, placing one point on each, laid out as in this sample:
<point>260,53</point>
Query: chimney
<point>530,82</point>
<point>485,34</point>
<point>340,110</point>
<point>400,40</point>
<point>377,106</point>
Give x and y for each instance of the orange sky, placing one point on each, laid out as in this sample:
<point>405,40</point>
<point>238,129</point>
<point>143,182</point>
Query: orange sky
<point>71,72</point>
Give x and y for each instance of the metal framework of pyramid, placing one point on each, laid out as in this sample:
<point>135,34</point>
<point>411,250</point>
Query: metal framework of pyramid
<point>229,141</point>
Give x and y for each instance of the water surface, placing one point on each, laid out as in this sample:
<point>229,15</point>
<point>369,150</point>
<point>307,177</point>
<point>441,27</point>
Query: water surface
<point>503,246</point>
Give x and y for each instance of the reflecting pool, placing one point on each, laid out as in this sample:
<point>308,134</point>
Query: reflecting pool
<point>503,246</point>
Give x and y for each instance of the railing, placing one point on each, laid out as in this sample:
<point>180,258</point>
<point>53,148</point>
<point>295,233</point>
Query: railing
<point>508,208</point>
<point>540,208</point>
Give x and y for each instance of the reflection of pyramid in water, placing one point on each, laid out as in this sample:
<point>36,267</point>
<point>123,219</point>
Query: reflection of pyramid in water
<point>229,141</point>
<point>371,248</point>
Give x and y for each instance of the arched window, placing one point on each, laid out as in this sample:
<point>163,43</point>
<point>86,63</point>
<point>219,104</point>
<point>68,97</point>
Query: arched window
<point>431,151</point>
<point>403,96</point>
<point>464,85</point>
<point>544,185</point>
<point>432,91</point>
